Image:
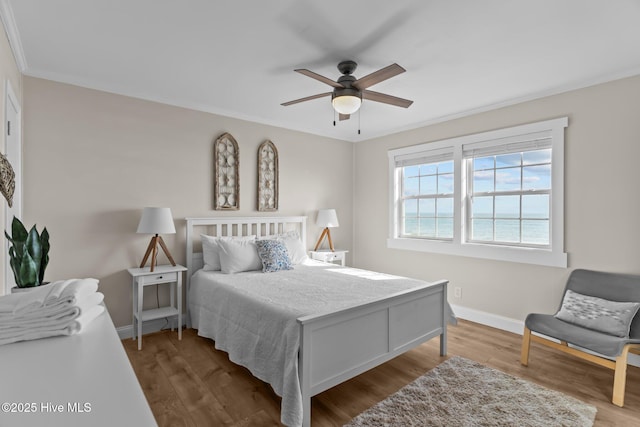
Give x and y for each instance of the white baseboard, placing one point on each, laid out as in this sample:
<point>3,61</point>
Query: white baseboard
<point>488,319</point>
<point>508,324</point>
<point>149,326</point>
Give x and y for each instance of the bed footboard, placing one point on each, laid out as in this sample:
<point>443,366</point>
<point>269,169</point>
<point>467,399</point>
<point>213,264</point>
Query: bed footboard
<point>338,346</point>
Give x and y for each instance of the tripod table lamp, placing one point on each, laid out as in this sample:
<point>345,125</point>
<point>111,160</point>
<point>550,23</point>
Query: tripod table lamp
<point>156,221</point>
<point>327,218</point>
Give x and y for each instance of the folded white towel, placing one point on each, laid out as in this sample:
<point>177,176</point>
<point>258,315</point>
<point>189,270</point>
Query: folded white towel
<point>73,327</point>
<point>87,317</point>
<point>60,292</point>
<point>75,289</point>
<point>64,307</point>
<point>55,322</point>
<point>53,315</point>
<point>35,297</point>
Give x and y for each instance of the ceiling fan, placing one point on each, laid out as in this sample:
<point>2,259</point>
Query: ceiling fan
<point>349,92</point>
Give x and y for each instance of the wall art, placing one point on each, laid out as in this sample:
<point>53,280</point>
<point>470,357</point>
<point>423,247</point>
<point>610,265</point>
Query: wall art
<point>226,194</point>
<point>267,177</point>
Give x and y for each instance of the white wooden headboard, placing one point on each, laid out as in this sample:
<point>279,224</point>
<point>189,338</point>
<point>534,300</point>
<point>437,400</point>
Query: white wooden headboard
<point>235,226</point>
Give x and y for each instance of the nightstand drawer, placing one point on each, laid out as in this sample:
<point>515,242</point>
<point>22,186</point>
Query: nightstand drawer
<point>335,257</point>
<point>152,279</point>
<point>331,256</point>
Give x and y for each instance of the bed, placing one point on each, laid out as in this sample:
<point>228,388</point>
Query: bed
<point>312,339</point>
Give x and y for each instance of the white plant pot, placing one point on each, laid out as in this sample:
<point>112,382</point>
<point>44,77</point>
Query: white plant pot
<point>16,289</point>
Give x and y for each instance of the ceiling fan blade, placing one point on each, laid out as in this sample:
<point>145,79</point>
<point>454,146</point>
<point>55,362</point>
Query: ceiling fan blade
<point>344,116</point>
<point>378,76</point>
<point>308,98</point>
<point>386,99</point>
<point>318,77</point>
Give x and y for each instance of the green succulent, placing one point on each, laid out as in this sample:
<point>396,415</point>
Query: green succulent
<point>29,253</point>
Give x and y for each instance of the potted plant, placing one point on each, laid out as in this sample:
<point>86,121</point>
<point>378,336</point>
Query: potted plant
<point>29,254</point>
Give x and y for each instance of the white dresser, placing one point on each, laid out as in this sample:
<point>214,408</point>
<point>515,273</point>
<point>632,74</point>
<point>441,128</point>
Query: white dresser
<point>80,380</point>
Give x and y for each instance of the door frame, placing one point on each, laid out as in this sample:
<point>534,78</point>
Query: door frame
<point>13,152</point>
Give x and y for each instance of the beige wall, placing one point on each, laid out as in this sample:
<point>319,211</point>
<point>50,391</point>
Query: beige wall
<point>93,160</point>
<point>8,71</point>
<point>602,201</point>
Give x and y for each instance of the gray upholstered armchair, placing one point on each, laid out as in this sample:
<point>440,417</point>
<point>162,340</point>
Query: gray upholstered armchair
<point>593,324</point>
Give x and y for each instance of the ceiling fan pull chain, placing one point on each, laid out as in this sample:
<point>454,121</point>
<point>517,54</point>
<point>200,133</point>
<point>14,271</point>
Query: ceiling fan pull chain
<point>334,117</point>
<point>359,114</point>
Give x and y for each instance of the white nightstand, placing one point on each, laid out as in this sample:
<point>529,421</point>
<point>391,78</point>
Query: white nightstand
<point>162,274</point>
<point>335,257</point>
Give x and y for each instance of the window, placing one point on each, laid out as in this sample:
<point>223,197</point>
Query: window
<point>508,195</point>
<point>427,200</point>
<point>496,195</point>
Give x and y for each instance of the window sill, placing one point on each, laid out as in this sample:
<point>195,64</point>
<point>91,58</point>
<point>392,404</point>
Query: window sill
<point>475,250</point>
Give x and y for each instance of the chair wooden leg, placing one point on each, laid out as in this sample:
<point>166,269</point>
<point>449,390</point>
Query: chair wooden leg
<point>620,377</point>
<point>526,344</point>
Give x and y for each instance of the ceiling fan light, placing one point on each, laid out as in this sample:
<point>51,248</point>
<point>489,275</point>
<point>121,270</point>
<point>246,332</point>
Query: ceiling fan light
<point>346,104</point>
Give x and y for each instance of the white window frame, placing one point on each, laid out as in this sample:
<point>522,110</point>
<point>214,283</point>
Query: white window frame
<point>554,255</point>
<point>430,157</point>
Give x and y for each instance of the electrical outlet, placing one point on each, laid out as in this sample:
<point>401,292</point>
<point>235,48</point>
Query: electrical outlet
<point>457,292</point>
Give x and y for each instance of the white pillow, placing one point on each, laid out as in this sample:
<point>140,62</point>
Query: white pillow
<point>291,240</point>
<point>237,256</point>
<point>297,252</point>
<point>211,250</point>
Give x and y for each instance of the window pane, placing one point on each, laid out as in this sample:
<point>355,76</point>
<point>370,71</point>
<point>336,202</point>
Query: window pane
<point>428,184</point>
<point>483,163</point>
<point>507,206</point>
<point>536,157</point>
<point>483,181</point>
<point>507,230</point>
<point>410,227</point>
<point>427,207</point>
<point>482,207</point>
<point>410,207</point>
<point>536,177</point>
<point>445,228</point>
<point>429,169</point>
<point>506,160</point>
<point>445,208</point>
<point>508,179</point>
<point>410,187</point>
<point>445,184</point>
<point>427,227</point>
<point>536,232</point>
<point>409,171</point>
<point>482,229</point>
<point>445,167</point>
<point>535,206</point>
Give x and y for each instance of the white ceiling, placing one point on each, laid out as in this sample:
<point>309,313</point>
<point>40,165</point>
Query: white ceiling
<point>236,58</point>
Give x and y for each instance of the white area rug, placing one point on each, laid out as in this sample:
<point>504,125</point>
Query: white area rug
<point>460,392</point>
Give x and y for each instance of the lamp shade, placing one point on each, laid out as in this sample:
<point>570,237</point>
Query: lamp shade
<point>156,221</point>
<point>346,104</point>
<point>327,218</point>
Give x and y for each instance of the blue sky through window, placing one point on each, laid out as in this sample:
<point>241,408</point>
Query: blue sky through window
<point>501,209</point>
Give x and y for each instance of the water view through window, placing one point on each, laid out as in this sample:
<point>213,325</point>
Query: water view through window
<point>428,200</point>
<point>508,199</point>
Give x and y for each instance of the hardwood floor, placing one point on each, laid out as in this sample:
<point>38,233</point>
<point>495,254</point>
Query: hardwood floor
<point>190,383</point>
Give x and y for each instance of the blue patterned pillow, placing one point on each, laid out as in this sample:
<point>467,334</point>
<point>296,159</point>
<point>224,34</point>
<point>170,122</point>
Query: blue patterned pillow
<point>274,256</point>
